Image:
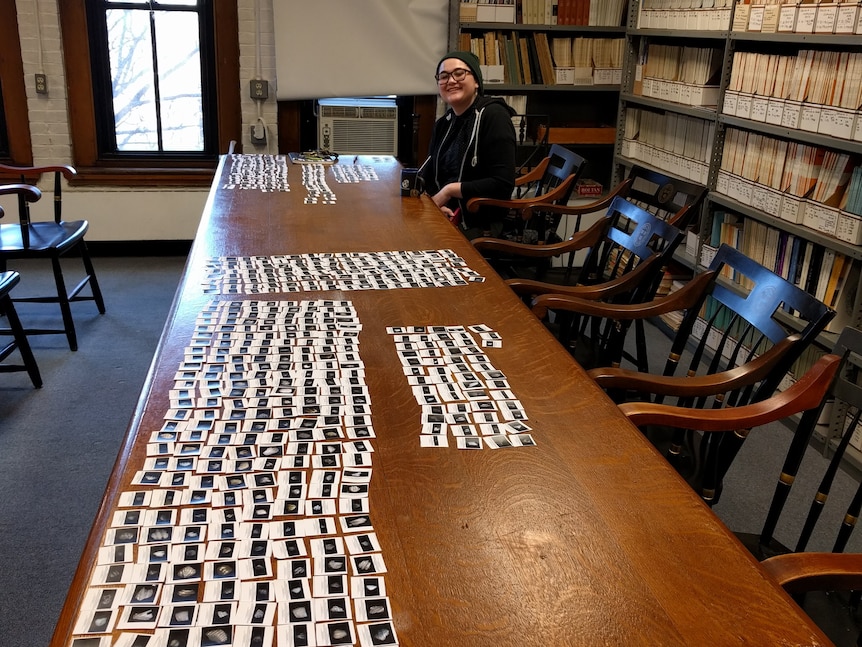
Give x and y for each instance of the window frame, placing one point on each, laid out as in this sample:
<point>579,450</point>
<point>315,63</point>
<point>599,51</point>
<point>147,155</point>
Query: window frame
<point>152,170</point>
<point>14,100</point>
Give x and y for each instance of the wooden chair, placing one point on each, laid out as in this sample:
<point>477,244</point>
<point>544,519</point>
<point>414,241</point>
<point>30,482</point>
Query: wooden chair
<point>550,182</point>
<point>49,239</point>
<point>736,349</point>
<point>675,201</point>
<point>625,252</point>
<point>831,382</point>
<point>9,280</point>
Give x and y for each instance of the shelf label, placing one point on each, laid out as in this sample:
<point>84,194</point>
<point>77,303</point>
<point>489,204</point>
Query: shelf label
<point>821,218</point>
<point>849,229</point>
<point>809,120</point>
<point>787,18</point>
<point>845,22</point>
<point>740,17</point>
<point>774,111</point>
<point>758,108</point>
<point>790,116</point>
<point>770,18</point>
<point>806,16</point>
<point>825,22</point>
<point>721,182</point>
<point>729,107</point>
<point>755,18</point>
<point>743,106</point>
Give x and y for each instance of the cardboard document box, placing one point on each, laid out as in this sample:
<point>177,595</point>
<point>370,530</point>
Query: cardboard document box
<point>787,18</point>
<point>766,200</point>
<point>607,76</point>
<point>743,105</point>
<point>821,218</point>
<point>845,21</point>
<point>741,17</point>
<point>493,73</point>
<point>849,228</point>
<point>722,182</point>
<point>836,122</point>
<point>792,209</point>
<point>759,107</point>
<point>729,105</point>
<point>827,13</point>
<point>791,115</point>
<point>699,95</point>
<point>806,18</point>
<point>774,111</point>
<point>468,11</point>
<point>809,117</point>
<point>565,75</point>
<point>755,17</point>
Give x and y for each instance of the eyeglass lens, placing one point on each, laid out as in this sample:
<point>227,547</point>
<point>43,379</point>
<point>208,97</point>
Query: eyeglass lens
<point>456,74</point>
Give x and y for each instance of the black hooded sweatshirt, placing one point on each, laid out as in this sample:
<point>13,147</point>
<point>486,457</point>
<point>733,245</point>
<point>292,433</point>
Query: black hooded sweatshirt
<point>477,149</point>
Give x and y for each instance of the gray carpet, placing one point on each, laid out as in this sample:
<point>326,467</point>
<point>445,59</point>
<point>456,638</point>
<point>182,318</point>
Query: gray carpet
<point>58,445</point>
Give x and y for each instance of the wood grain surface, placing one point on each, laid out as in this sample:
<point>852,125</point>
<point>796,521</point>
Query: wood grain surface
<point>589,538</point>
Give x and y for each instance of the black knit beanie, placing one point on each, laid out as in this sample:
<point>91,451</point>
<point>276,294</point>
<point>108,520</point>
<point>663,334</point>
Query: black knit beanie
<point>471,61</point>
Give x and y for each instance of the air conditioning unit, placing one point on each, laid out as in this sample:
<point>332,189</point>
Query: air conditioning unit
<point>366,126</point>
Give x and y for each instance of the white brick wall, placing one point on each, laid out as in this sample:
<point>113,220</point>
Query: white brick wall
<point>130,216</point>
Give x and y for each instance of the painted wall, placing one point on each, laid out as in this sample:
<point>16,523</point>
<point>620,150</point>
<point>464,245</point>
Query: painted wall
<point>118,213</point>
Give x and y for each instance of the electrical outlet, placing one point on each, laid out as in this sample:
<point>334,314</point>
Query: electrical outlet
<point>41,84</point>
<point>259,89</point>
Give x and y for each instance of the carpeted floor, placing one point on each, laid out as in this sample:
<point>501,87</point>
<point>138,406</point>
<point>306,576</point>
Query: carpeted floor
<point>58,445</point>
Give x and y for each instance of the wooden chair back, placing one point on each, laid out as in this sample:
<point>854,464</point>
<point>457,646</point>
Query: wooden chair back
<point>728,329</point>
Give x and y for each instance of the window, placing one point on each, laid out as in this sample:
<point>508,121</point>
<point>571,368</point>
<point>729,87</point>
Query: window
<point>152,62</point>
<point>148,102</point>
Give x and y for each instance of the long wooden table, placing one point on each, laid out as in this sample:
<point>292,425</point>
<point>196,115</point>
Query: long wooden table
<point>586,538</point>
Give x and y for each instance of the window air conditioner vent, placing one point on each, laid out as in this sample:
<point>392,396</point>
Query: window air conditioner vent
<point>358,126</point>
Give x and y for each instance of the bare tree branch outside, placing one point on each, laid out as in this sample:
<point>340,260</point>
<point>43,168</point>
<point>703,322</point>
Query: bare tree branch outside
<point>157,99</point>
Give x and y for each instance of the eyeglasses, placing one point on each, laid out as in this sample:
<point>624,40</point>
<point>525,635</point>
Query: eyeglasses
<point>456,75</point>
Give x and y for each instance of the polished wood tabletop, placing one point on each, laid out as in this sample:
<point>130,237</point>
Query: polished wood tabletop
<point>586,538</point>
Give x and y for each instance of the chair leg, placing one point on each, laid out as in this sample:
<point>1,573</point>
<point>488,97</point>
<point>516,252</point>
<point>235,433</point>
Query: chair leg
<point>94,282</point>
<point>20,337</point>
<point>65,308</point>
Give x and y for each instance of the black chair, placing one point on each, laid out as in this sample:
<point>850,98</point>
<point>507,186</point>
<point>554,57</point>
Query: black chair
<point>625,254</point>
<point>9,280</point>
<point>669,199</point>
<point>550,182</point>
<point>743,347</point>
<point>49,239</point>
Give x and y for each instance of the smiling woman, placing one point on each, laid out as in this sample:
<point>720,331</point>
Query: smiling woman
<point>472,151</point>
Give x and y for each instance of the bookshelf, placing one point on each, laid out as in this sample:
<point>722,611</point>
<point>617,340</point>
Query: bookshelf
<point>559,63</point>
<point>780,139</point>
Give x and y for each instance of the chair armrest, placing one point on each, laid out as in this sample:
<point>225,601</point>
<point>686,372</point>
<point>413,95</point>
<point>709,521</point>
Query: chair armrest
<point>695,385</point>
<point>807,393</point>
<point>535,174</point>
<point>34,171</point>
<point>606,290</point>
<point>473,204</point>
<point>803,572</point>
<point>682,299</point>
<point>580,240</point>
<point>621,189</point>
<point>26,191</point>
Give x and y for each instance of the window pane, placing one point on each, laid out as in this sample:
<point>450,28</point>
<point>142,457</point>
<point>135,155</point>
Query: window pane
<point>130,51</point>
<point>181,103</point>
